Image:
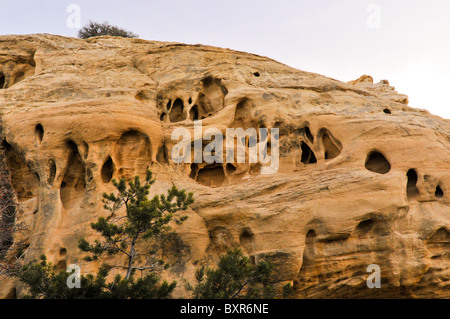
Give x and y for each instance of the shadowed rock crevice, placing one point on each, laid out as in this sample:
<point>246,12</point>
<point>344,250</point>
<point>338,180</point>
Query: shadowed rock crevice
<point>107,170</point>
<point>377,163</point>
<point>331,145</point>
<point>211,175</point>
<point>73,183</point>
<point>24,181</point>
<point>52,171</point>
<point>39,133</point>
<point>308,156</point>
<point>411,187</point>
<point>177,113</point>
<point>132,154</point>
<point>2,80</point>
<point>438,192</point>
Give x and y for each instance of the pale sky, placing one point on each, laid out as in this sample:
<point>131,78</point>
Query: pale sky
<point>404,41</point>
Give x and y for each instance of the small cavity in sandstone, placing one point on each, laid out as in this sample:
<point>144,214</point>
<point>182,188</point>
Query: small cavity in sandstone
<point>308,156</point>
<point>73,184</point>
<point>193,113</point>
<point>52,171</point>
<point>107,170</point>
<point>332,146</point>
<point>387,111</point>
<point>39,133</point>
<point>177,112</point>
<point>411,188</point>
<point>211,175</point>
<point>2,80</point>
<point>84,148</point>
<point>308,134</point>
<point>377,163</point>
<point>439,193</point>
<point>247,241</point>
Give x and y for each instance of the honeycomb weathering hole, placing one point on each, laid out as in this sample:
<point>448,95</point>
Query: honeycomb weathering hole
<point>411,188</point>
<point>107,170</point>
<point>377,163</point>
<point>2,80</point>
<point>52,171</point>
<point>193,113</point>
<point>439,193</point>
<point>332,146</point>
<point>308,134</point>
<point>211,175</point>
<point>247,241</point>
<point>308,156</point>
<point>132,154</point>
<point>176,113</point>
<point>39,133</point>
<point>73,183</point>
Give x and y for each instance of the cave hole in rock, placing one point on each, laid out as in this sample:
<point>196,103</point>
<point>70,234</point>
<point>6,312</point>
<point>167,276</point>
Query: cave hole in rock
<point>387,111</point>
<point>24,181</point>
<point>332,146</point>
<point>231,168</point>
<point>84,148</point>
<point>308,134</point>
<point>2,80</point>
<point>194,170</point>
<point>211,175</point>
<point>73,183</point>
<point>212,97</point>
<point>247,241</point>
<point>308,156</point>
<point>193,113</point>
<point>39,133</point>
<point>132,154</point>
<point>176,113</point>
<point>365,226</point>
<point>163,155</point>
<point>310,236</point>
<point>52,171</point>
<point>377,163</point>
<point>441,235</point>
<point>107,170</point>
<point>141,96</point>
<point>168,105</point>
<point>63,252</point>
<point>163,117</point>
<point>411,185</point>
<point>190,101</point>
<point>439,193</point>
<point>256,74</point>
<point>19,77</point>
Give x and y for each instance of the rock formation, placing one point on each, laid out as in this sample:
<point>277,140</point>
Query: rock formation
<point>363,178</point>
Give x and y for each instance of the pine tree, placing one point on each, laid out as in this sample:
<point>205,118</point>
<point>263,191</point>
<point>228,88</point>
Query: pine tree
<point>145,220</point>
<point>140,234</point>
<point>235,277</point>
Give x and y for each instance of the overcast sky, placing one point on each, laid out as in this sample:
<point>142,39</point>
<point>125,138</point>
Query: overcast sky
<point>404,41</point>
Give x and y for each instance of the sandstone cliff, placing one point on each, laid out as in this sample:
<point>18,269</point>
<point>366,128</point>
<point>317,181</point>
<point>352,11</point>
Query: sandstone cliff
<point>363,178</point>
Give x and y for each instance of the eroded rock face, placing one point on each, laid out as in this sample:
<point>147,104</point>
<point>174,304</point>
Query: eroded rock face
<point>363,178</point>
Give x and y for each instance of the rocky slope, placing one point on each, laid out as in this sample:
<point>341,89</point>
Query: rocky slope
<point>363,178</point>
